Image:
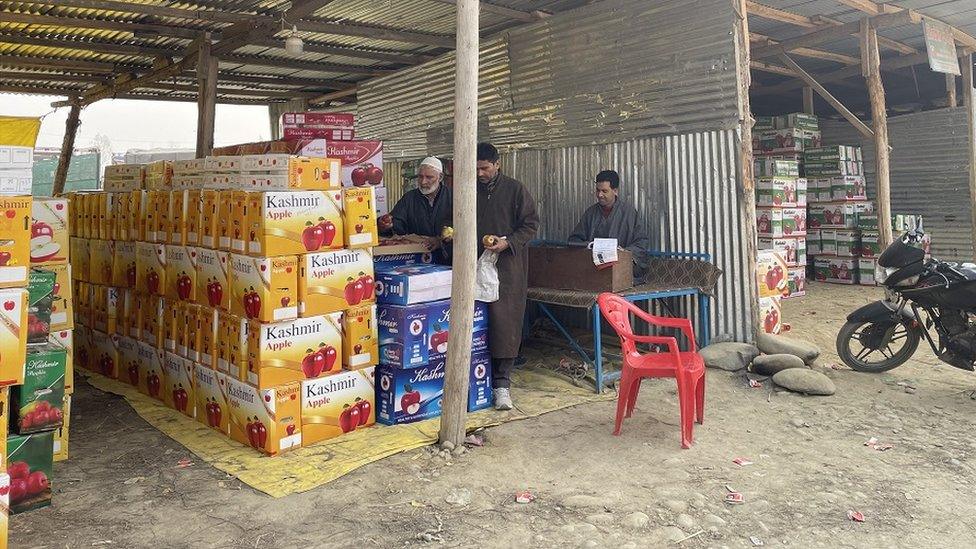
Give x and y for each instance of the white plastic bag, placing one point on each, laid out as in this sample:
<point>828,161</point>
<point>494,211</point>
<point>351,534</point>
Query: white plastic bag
<point>486,278</point>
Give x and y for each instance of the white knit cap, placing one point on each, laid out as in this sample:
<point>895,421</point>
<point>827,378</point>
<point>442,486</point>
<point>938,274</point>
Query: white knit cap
<point>433,162</point>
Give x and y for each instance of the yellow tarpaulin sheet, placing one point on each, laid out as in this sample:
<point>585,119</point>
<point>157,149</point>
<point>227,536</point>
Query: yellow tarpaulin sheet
<point>537,392</point>
<point>19,131</point>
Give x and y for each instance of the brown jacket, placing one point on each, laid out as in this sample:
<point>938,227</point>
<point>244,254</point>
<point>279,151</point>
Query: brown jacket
<point>508,210</point>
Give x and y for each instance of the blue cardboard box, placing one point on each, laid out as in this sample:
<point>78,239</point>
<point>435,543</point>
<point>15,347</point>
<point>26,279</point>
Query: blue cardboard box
<point>411,335</point>
<point>406,396</point>
<point>410,284</point>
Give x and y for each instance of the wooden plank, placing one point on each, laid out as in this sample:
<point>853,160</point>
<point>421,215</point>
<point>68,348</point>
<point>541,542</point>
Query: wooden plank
<point>326,98</point>
<point>51,77</point>
<point>879,121</point>
<point>822,91</point>
<point>455,403</point>
<point>206,99</point>
<point>845,73</point>
<point>67,149</point>
<point>808,100</point>
<point>747,183</point>
<point>967,99</point>
<point>773,69</point>
<point>809,52</point>
<point>951,100</point>
<point>118,26</point>
<point>285,81</point>
<point>827,34</point>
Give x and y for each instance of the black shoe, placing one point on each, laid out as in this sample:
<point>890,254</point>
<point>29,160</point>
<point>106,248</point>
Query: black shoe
<point>520,360</point>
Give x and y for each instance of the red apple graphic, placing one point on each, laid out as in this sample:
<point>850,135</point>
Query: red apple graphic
<point>359,228</point>
<point>18,470</point>
<point>215,293</point>
<point>152,282</point>
<point>37,483</point>
<point>56,289</point>
<point>368,286</point>
<point>365,408</point>
<point>4,258</point>
<point>255,304</point>
<point>438,341</point>
<point>374,175</point>
<point>285,301</point>
<point>312,237</point>
<point>358,348</point>
<point>410,401</point>
<point>353,291</point>
<point>358,176</point>
<point>349,418</point>
<point>133,370</point>
<point>153,384</point>
<point>10,214</point>
<point>39,228</point>
<point>313,364</point>
<point>262,433</point>
<point>328,231</point>
<point>18,489</point>
<point>290,429</point>
<point>130,275</point>
<point>9,305</point>
<point>184,286</point>
<point>329,355</point>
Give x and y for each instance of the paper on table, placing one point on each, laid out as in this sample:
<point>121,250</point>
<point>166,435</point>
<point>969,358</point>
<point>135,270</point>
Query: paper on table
<point>604,251</point>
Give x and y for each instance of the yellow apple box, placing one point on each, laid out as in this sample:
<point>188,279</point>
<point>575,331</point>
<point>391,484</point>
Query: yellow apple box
<point>13,336</point>
<point>212,282</point>
<point>4,428</point>
<point>237,221</point>
<point>49,231</point>
<point>224,223</point>
<point>81,339</point>
<point>153,320</point>
<point>15,240</point>
<point>101,263</point>
<point>264,288</point>
<point>283,171</point>
<point>62,310</point>
<point>105,309</point>
<point>285,352</point>
<point>172,316</point>
<point>129,360</point>
<point>293,222</point>
<point>76,213</point>
<point>106,358</point>
<point>206,343</point>
<point>177,217</point>
<point>360,338</point>
<point>194,203</point>
<point>121,222</point>
<point>188,345</point>
<point>268,420</point>
<point>123,265</point>
<point>80,258</point>
<point>152,373</point>
<point>337,404</point>
<point>178,391</point>
<point>359,206</point>
<point>157,212</point>
<point>335,281</point>
<point>208,220</point>
<point>129,322</point>
<point>209,387</point>
<point>61,434</point>
<point>102,217</point>
<point>139,215</point>
<point>151,268</point>
<point>64,339</point>
<point>181,273</point>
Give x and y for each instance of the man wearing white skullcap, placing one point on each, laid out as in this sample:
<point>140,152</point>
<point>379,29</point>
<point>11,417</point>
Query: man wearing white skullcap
<point>424,211</point>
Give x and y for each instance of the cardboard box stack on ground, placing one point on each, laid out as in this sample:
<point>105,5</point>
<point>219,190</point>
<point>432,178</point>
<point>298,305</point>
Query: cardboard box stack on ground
<point>414,322</point>
<point>237,289</point>
<point>35,307</point>
<point>843,229</point>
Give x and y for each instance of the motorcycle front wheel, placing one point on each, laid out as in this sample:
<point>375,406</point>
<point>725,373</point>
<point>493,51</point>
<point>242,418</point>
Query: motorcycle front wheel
<point>873,348</point>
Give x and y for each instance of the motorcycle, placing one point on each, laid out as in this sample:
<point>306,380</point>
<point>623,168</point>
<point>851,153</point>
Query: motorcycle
<point>924,298</point>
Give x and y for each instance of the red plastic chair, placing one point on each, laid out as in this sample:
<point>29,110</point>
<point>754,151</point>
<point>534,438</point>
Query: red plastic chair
<point>687,367</point>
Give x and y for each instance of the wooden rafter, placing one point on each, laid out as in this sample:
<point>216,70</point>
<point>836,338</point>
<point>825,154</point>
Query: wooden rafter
<point>874,8</point>
<point>822,91</point>
<point>843,74</point>
<point>820,36</point>
<point>809,52</point>
<point>332,96</point>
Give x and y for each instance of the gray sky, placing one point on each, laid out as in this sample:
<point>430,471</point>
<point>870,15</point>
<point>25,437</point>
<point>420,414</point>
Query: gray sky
<point>130,124</point>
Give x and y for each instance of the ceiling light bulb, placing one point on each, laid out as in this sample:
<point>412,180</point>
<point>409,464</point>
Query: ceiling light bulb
<point>294,44</point>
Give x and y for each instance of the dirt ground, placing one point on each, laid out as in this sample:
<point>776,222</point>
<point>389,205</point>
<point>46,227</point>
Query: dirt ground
<point>122,486</point>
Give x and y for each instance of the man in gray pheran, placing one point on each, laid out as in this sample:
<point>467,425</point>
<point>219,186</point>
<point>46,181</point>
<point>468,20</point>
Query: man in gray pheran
<point>507,211</point>
<point>612,217</point>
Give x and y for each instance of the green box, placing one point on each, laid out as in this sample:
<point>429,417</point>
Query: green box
<point>40,301</point>
<point>870,244</point>
<point>36,405</point>
<point>30,464</point>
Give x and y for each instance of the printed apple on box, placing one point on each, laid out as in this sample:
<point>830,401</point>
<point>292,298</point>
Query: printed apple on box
<point>209,389</point>
<point>264,288</point>
<point>102,258</point>
<point>209,220</point>
<point>362,162</point>
<point>268,420</point>
<point>334,281</point>
<point>207,321</point>
<point>16,247</point>
<point>37,405</point>
<point>123,265</point>
<point>129,360</point>
<point>771,273</point>
<point>178,393</point>
<point>212,280</point>
<point>181,272</point>
<point>151,268</point>
<point>770,314</point>
<point>30,464</point>
<point>360,338</point>
<point>49,231</point>
<point>63,339</point>
<point>152,372</point>
<point>290,222</point>
<point>337,404</point>
<point>359,211</point>
<point>295,350</point>
<point>13,347</point>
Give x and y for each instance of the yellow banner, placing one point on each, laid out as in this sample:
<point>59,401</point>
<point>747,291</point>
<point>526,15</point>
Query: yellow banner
<point>19,131</point>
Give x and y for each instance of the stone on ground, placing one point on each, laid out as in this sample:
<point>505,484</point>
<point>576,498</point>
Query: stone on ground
<point>776,345</point>
<point>583,501</point>
<point>730,357</point>
<point>810,382</point>
<point>636,520</point>
<point>768,365</point>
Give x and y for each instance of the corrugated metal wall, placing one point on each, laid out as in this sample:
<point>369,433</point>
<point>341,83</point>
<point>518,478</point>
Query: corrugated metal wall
<point>929,173</point>
<point>608,72</point>
<point>685,188</point>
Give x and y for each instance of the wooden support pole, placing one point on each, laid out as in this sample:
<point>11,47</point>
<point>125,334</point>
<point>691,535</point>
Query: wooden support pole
<point>834,102</point>
<point>67,148</point>
<point>206,99</point>
<point>951,99</point>
<point>879,120</point>
<point>455,404</point>
<point>808,100</point>
<point>966,62</point>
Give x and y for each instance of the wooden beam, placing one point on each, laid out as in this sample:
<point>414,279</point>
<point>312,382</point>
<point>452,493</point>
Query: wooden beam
<point>314,47</point>
<point>879,120</point>
<point>118,26</point>
<point>822,91</point>
<point>455,401</point>
<point>966,62</point>
<point>808,100</point>
<point>300,64</point>
<point>67,148</point>
<point>809,52</point>
<point>51,77</point>
<point>951,100</point>
<point>773,69</point>
<point>845,73</point>
<point>376,33</point>
<point>31,62</point>
<point>325,98</point>
<point>60,91</point>
<point>870,7</point>
<point>197,13</point>
<point>820,36</point>
<point>206,99</point>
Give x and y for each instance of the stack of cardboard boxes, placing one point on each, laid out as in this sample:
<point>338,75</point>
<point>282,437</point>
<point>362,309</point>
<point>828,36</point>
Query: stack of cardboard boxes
<point>236,289</point>
<point>414,322</point>
<point>843,239</point>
